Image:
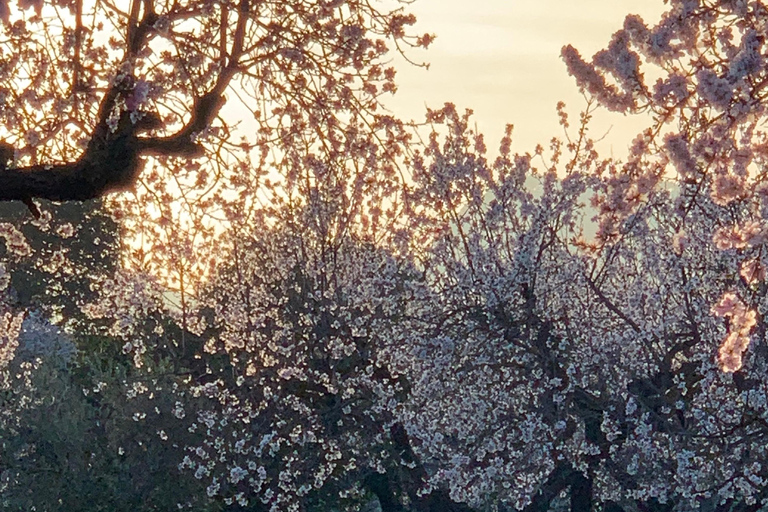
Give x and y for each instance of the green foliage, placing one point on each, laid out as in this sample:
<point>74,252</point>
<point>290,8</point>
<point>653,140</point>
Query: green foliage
<point>79,242</point>
<point>92,437</point>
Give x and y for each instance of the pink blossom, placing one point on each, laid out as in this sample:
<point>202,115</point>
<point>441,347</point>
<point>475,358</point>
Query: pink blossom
<point>26,4</point>
<point>713,89</point>
<point>138,96</point>
<point>727,188</point>
<point>636,28</point>
<point>680,242</point>
<point>673,90</point>
<point>739,236</point>
<point>620,61</point>
<point>679,153</point>
<point>593,82</point>
<point>749,59</point>
<point>728,305</point>
<point>752,270</point>
<point>731,350</point>
<point>10,326</point>
<point>736,342</point>
<point>15,241</point>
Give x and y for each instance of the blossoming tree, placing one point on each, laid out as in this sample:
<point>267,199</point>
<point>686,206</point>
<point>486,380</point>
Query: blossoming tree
<point>627,365</point>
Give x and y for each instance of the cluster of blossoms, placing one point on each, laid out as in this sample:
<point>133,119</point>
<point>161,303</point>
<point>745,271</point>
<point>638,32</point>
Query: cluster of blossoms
<point>10,320</point>
<point>742,321</point>
<point>748,234</point>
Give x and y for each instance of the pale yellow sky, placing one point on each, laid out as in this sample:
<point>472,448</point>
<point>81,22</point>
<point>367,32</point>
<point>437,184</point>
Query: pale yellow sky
<point>501,58</point>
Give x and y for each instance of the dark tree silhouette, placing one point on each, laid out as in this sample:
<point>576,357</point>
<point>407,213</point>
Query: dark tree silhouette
<point>89,91</point>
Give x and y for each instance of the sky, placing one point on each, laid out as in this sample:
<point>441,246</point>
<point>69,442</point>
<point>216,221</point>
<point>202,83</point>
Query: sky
<point>501,58</point>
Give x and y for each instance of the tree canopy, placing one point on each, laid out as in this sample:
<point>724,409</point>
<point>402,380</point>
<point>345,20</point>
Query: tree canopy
<point>316,306</point>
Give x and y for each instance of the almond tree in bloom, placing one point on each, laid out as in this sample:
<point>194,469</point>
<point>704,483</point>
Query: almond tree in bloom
<point>706,137</point>
<point>559,363</point>
<point>624,368</point>
<point>187,104</point>
<point>89,91</point>
<point>312,311</point>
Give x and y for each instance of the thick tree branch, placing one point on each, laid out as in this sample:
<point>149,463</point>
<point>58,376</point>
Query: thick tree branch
<point>112,160</point>
<point>109,163</point>
<point>181,143</point>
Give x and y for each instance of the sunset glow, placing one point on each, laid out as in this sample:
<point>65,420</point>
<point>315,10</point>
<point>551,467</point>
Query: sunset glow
<point>502,60</point>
